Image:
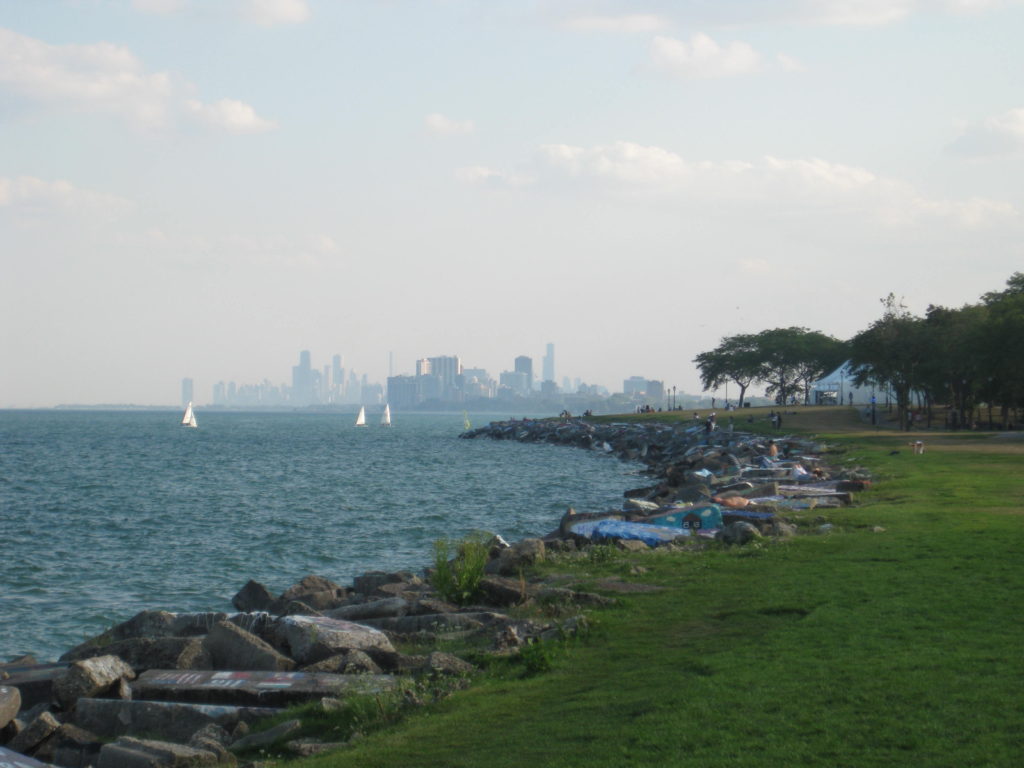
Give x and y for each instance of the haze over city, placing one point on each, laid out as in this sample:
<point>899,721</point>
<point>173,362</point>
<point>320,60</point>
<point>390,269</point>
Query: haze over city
<point>203,188</point>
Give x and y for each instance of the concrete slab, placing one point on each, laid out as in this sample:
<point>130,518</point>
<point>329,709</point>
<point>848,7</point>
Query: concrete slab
<point>170,721</point>
<point>273,689</point>
<point>10,759</point>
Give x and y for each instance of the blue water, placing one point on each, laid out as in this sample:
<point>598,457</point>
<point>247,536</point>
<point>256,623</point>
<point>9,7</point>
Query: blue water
<point>104,514</point>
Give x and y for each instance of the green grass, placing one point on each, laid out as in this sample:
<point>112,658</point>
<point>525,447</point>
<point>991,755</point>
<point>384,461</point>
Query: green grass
<point>853,648</point>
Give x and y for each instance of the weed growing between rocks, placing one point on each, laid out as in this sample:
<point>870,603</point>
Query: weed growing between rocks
<point>457,577</point>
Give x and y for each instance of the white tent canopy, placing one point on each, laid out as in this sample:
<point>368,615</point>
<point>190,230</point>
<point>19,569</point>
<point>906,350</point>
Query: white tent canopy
<point>839,388</point>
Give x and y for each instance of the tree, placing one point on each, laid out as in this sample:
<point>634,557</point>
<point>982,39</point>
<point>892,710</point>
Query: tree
<point>793,358</point>
<point>735,359</point>
<point>891,351</point>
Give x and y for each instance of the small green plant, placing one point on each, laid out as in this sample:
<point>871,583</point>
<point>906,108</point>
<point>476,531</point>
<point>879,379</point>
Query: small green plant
<point>536,658</point>
<point>459,567</point>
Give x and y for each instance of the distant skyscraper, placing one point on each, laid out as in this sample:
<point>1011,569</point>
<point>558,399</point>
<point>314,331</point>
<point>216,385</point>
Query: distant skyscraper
<point>187,391</point>
<point>448,369</point>
<point>524,364</point>
<point>549,363</point>
<point>302,380</point>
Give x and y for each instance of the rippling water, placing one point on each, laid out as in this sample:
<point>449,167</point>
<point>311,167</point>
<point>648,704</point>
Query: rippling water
<point>103,514</point>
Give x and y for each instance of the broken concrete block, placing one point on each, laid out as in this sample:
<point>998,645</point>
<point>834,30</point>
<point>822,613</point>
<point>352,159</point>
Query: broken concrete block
<point>231,647</point>
<point>313,638</point>
<point>88,678</point>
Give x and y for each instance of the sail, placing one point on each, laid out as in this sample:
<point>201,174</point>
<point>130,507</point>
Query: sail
<point>189,418</point>
<point>361,418</point>
<point>466,425</point>
<point>385,420</point>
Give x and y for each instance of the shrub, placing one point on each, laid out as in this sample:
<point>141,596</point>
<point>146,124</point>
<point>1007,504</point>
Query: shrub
<point>457,578</point>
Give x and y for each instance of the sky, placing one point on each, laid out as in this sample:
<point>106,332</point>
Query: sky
<point>203,188</point>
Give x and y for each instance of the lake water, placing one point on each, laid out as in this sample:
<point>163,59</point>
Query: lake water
<point>106,513</point>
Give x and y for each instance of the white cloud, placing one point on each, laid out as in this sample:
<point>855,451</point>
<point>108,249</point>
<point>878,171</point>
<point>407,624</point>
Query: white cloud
<point>622,161</point>
<point>444,126</point>
<point>28,194</point>
<point>789,64</point>
<point>808,187</point>
<point>269,13</point>
<point>633,23</point>
<point>860,13</point>
<point>161,7</point>
<point>103,77</point>
<point>702,57</point>
<point>231,115</point>
<point>754,266</point>
<point>481,175</point>
<point>997,135</point>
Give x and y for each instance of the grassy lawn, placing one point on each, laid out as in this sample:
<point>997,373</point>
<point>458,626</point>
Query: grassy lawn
<point>856,647</point>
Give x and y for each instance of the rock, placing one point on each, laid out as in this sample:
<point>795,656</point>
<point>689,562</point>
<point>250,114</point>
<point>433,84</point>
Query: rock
<point>142,653</point>
<point>311,639</point>
<point>312,585</point>
<point>311,747</point>
<point>374,609</point>
<point>631,545</point>
<point>268,737</point>
<point>438,622</point>
<point>231,647</point>
<point>263,689</point>
<point>88,678</point>
<point>877,529</point>
<point>170,721</point>
<point>349,663</point>
<point>71,747</point>
<point>11,759</point>
<point>782,529</point>
<point>34,733</point>
<point>826,528</point>
<point>213,738</point>
<point>439,663</point>
<point>253,597</point>
<point>128,752</point>
<point>740,533</point>
<point>640,505</point>
<point>371,581</point>
<point>10,704</point>
<point>520,555</point>
<point>502,591</point>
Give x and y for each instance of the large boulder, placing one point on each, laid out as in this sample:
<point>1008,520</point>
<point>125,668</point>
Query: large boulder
<point>310,639</point>
<point>34,733</point>
<point>171,721</point>
<point>128,752</point>
<point>373,609</point>
<point>231,647</point>
<point>89,677</point>
<point>142,653</point>
<point>253,597</point>
<point>10,703</point>
<point>520,555</point>
<point>740,532</point>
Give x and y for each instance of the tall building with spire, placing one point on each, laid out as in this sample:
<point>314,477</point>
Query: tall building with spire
<point>549,363</point>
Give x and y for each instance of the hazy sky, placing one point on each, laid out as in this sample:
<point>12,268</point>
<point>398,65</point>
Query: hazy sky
<point>204,187</point>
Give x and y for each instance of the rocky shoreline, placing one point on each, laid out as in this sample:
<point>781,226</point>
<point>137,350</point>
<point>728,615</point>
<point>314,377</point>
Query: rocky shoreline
<point>173,689</point>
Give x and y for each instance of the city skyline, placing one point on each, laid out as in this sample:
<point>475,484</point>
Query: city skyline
<point>439,378</point>
<point>200,188</point>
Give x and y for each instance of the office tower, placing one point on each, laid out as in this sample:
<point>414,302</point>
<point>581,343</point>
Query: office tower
<point>447,369</point>
<point>524,364</point>
<point>423,367</point>
<point>302,380</point>
<point>549,363</point>
<point>337,379</point>
<point>187,391</point>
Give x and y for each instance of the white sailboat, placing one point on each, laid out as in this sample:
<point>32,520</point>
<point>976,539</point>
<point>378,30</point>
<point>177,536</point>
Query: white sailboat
<point>361,418</point>
<point>189,418</point>
<point>385,420</point>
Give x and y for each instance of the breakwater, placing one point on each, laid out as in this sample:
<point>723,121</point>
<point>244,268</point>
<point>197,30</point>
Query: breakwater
<point>169,688</point>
